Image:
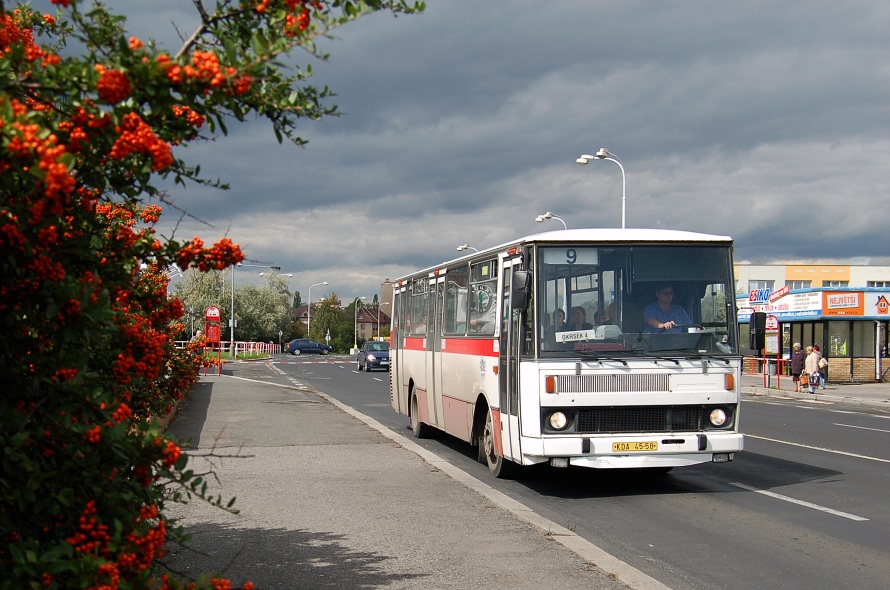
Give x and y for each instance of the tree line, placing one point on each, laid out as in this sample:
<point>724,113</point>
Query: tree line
<point>266,312</point>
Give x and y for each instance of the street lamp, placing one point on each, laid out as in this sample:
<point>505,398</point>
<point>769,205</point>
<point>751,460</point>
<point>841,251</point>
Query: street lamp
<point>309,321</point>
<point>355,325</point>
<point>463,247</point>
<point>551,215</point>
<point>378,316</point>
<point>604,154</point>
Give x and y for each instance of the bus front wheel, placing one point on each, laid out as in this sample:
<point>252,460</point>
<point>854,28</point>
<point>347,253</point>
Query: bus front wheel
<point>500,467</point>
<point>419,429</point>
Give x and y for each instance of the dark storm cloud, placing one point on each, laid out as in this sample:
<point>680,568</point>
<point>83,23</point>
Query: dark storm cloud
<point>760,120</point>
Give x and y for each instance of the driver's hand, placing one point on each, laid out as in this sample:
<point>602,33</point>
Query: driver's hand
<point>669,324</point>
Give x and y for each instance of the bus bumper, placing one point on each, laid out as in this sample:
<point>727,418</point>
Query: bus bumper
<point>673,450</point>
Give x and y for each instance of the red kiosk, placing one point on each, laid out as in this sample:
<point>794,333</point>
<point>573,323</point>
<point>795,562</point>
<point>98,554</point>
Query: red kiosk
<point>213,334</point>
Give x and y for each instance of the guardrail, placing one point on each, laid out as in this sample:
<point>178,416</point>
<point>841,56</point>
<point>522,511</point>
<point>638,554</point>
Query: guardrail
<point>768,367</point>
<point>241,348</point>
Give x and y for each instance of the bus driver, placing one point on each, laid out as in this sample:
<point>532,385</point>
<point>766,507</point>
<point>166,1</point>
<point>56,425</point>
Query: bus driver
<point>663,315</point>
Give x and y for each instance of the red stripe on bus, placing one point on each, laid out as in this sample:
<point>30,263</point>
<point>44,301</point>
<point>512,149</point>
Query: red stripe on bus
<point>414,343</point>
<point>474,346</point>
<point>471,346</point>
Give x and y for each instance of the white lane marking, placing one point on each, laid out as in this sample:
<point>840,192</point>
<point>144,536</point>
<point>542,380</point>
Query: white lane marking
<point>860,427</point>
<point>794,444</point>
<point>800,502</point>
<point>378,379</point>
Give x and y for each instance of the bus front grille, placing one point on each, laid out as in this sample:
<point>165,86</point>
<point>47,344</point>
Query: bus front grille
<point>637,419</point>
<point>612,383</point>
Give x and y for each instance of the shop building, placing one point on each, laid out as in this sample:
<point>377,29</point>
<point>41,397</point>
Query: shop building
<point>845,309</point>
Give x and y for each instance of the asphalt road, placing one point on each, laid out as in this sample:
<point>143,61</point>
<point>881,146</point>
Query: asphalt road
<point>804,506</point>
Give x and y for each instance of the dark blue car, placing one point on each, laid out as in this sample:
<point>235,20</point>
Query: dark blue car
<point>306,346</point>
<point>374,354</point>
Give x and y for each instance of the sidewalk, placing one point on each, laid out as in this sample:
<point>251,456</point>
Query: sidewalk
<point>874,395</point>
<point>330,499</point>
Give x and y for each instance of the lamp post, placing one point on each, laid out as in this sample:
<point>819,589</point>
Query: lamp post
<point>232,316</point>
<point>551,215</point>
<point>604,154</point>
<point>463,247</point>
<point>309,311</point>
<point>355,325</point>
<point>378,316</point>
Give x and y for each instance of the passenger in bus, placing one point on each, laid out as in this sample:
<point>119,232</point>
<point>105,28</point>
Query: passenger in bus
<point>559,320</point>
<point>663,315</point>
<point>558,325</point>
<point>481,326</point>
<point>579,319</point>
<point>603,317</point>
<point>420,328</point>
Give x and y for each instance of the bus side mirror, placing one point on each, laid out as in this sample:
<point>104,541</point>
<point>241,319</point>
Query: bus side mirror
<point>521,289</point>
<point>757,337</point>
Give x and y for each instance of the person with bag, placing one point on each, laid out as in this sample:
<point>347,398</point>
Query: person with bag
<point>811,366</point>
<point>823,366</point>
<point>797,365</point>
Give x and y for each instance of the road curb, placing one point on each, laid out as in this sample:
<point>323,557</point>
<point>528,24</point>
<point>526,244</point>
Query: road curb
<point>785,394</point>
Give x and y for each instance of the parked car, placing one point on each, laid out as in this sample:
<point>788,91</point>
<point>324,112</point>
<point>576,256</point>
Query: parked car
<point>306,346</point>
<point>374,354</point>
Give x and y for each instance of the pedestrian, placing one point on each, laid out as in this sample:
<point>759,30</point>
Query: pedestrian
<point>798,359</point>
<point>811,364</point>
<point>823,366</point>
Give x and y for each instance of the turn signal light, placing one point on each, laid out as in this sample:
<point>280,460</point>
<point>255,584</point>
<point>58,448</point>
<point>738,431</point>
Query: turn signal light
<point>729,382</point>
<point>550,383</point>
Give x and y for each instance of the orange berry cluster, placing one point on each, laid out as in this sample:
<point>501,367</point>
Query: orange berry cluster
<point>65,375</point>
<point>192,117</point>
<point>93,435</point>
<point>12,32</point>
<point>171,454</point>
<point>223,254</point>
<point>113,86</point>
<point>123,412</point>
<point>206,69</point>
<point>137,554</point>
<point>136,137</point>
<point>26,143</point>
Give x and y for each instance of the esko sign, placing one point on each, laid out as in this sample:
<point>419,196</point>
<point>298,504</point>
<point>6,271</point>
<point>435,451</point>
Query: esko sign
<point>759,296</point>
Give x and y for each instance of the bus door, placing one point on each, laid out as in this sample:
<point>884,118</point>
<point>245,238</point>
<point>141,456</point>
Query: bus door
<point>435,322</point>
<point>508,363</point>
<point>397,345</point>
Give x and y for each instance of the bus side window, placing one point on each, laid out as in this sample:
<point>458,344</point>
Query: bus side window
<point>483,294</point>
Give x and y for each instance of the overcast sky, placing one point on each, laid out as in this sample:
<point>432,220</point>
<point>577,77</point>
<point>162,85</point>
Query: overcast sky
<point>766,121</point>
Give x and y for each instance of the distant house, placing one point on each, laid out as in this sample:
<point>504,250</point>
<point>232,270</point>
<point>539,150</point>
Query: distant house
<point>302,314</point>
<point>367,322</point>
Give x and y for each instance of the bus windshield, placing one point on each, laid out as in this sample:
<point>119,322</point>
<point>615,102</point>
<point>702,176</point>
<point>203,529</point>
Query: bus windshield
<point>663,300</point>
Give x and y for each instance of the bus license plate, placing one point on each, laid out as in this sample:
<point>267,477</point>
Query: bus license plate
<point>623,447</point>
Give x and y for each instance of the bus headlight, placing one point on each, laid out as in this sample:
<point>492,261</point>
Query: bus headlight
<point>558,421</point>
<point>717,417</point>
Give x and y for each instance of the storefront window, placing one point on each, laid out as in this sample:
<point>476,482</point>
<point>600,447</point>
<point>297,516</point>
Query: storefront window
<point>863,339</point>
<point>838,339</point>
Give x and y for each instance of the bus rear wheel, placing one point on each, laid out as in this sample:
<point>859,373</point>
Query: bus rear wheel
<point>419,429</point>
<point>500,467</point>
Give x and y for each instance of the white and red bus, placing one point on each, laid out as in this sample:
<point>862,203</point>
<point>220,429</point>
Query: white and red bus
<point>477,352</point>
